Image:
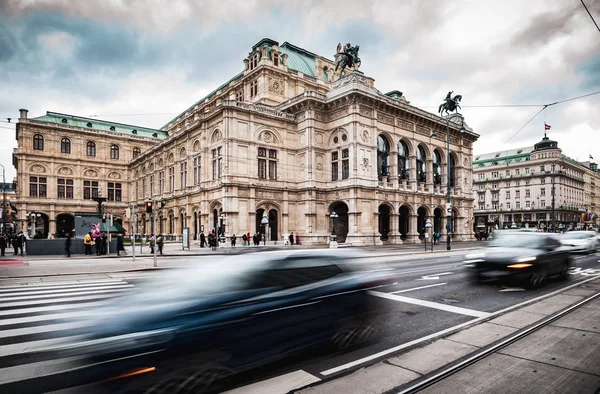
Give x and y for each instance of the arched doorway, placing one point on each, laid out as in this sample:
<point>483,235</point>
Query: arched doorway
<point>273,227</point>
<point>215,224</point>
<point>437,220</point>
<point>341,222</point>
<point>403,219</point>
<point>421,219</point>
<point>65,224</point>
<point>195,226</point>
<point>384,221</point>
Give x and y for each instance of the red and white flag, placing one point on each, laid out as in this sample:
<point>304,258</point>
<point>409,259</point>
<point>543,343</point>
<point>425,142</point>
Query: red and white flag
<point>547,126</point>
<point>591,158</point>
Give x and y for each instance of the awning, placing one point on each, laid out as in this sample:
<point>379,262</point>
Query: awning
<point>116,228</point>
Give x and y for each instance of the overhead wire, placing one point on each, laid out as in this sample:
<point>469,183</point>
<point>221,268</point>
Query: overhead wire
<point>590,14</point>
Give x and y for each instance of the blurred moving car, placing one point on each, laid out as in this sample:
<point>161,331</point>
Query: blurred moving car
<point>189,329</point>
<point>581,241</point>
<point>526,257</point>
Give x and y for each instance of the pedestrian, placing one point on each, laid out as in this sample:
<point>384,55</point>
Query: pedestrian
<point>21,240</point>
<point>104,244</point>
<point>68,245</point>
<point>248,238</point>
<point>151,243</point>
<point>15,244</point>
<point>87,243</point>
<point>120,247</point>
<point>2,244</point>
<point>297,239</point>
<point>159,243</point>
<point>292,238</point>
<point>202,239</point>
<point>98,245</point>
<point>233,238</point>
<point>244,239</point>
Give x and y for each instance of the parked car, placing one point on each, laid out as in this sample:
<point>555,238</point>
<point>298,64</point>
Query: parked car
<point>528,258</point>
<point>581,241</point>
<point>188,330</point>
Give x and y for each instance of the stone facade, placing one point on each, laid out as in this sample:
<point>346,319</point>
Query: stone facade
<point>515,186</point>
<point>281,140</point>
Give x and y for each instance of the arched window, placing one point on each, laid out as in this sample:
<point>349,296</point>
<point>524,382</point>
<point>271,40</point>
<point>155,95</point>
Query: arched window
<point>114,152</point>
<point>38,142</point>
<point>91,148</point>
<point>136,152</point>
<point>452,169</point>
<point>421,159</point>
<point>402,160</point>
<point>383,157</point>
<point>65,145</point>
<point>437,167</point>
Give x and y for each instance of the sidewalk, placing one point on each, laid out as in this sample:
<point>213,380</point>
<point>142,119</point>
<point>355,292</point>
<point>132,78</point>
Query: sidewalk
<point>561,357</point>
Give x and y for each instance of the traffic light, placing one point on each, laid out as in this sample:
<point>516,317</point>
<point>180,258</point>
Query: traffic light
<point>148,206</point>
<point>103,218</point>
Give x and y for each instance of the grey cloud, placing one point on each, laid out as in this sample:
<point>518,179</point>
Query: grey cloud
<point>8,47</point>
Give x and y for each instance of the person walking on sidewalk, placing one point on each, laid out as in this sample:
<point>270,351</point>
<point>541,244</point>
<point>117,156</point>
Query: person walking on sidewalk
<point>233,238</point>
<point>14,244</point>
<point>292,238</point>
<point>159,243</point>
<point>68,245</point>
<point>87,243</point>
<point>244,239</point>
<point>202,239</point>
<point>2,244</point>
<point>98,245</point>
<point>152,242</point>
<point>120,247</point>
<point>20,242</point>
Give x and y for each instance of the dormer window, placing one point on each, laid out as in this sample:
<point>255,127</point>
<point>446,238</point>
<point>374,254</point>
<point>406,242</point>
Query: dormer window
<point>254,60</point>
<point>89,124</point>
<point>275,59</point>
<point>112,128</point>
<point>64,120</point>
<point>155,135</point>
<point>134,131</point>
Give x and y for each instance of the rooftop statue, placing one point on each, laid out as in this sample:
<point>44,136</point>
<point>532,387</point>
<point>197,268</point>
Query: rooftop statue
<point>450,104</point>
<point>346,56</point>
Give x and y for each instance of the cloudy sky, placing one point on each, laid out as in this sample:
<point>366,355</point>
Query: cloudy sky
<point>143,61</point>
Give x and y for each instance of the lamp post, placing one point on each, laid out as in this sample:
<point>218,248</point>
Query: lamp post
<point>449,175</point>
<point>4,210</point>
<point>222,227</point>
<point>333,238</point>
<point>264,221</point>
<point>427,227</point>
<point>33,216</point>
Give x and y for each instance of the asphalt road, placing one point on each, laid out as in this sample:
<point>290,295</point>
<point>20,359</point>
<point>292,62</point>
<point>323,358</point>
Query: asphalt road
<point>431,294</point>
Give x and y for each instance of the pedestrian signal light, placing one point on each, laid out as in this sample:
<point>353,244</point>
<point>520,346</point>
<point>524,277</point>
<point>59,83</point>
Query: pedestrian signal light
<point>148,206</point>
<point>104,218</point>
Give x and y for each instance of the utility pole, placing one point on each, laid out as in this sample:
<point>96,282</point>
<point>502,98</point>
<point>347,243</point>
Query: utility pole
<point>154,209</point>
<point>4,210</point>
<point>553,199</point>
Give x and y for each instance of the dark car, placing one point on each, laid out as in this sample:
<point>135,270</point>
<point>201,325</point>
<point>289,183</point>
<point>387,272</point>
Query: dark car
<point>189,329</point>
<point>526,257</point>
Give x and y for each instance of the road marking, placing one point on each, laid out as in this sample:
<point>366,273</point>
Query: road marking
<point>429,304</point>
<point>435,276</point>
<point>506,289</point>
<point>450,330</point>
<point>417,288</point>
<point>279,384</point>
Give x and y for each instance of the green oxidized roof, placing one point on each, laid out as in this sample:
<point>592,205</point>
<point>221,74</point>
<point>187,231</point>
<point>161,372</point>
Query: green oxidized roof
<point>502,157</point>
<point>101,125</point>
<point>299,59</point>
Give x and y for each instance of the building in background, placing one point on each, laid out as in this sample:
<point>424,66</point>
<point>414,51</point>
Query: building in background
<point>513,188</point>
<point>276,149</point>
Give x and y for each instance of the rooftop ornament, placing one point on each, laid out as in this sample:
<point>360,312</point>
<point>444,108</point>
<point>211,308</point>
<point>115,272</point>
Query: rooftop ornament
<point>347,56</point>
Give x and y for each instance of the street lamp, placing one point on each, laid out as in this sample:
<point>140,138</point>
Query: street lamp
<point>264,221</point>
<point>448,186</point>
<point>222,226</point>
<point>33,217</point>
<point>333,238</point>
<point>4,210</point>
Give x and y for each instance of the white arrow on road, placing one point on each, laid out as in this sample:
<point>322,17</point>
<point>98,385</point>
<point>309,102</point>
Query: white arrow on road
<point>434,276</point>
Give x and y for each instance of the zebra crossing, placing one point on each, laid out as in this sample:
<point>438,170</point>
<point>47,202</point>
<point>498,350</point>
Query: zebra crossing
<point>43,315</point>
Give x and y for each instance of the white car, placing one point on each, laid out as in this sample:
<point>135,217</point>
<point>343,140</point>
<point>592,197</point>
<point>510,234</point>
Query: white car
<point>581,241</point>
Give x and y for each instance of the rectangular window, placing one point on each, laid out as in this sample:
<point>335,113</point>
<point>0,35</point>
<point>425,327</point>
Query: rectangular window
<point>527,182</point>
<point>496,196</point>
<point>518,205</point>
<point>508,205</point>
<point>517,171</point>
<point>197,170</point>
<point>494,174</point>
<point>481,187</point>
<point>543,191</point>
<point>345,164</point>
<point>518,194</point>
<point>482,206</point>
<point>527,171</point>
<point>527,204</point>
<point>253,88</point>
<point>264,162</point>
<point>90,189</point>
<point>543,203</point>
<point>508,194</point>
<point>481,177</point>
<point>65,188</point>
<point>183,174</point>
<point>171,179</point>
<point>217,161</point>
<point>482,197</point>
<point>37,186</point>
<point>275,59</point>
<point>517,183</point>
<point>151,185</point>
<point>239,95</point>
<point>144,195</point>
<point>114,191</point>
<point>527,193</point>
<point>495,186</point>
<point>542,168</point>
<point>334,166</point>
<point>543,181</point>
<point>507,172</point>
<point>507,184</point>
<point>161,182</point>
<point>137,191</point>
<point>494,205</point>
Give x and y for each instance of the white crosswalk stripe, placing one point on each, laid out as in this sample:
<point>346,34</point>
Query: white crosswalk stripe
<point>38,316</point>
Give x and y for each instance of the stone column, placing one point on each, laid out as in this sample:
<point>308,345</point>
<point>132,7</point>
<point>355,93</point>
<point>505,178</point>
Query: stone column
<point>429,179</point>
<point>412,235</point>
<point>394,169</point>
<point>412,171</point>
<point>51,228</point>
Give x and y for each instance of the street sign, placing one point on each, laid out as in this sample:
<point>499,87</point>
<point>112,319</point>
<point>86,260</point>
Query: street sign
<point>449,208</point>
